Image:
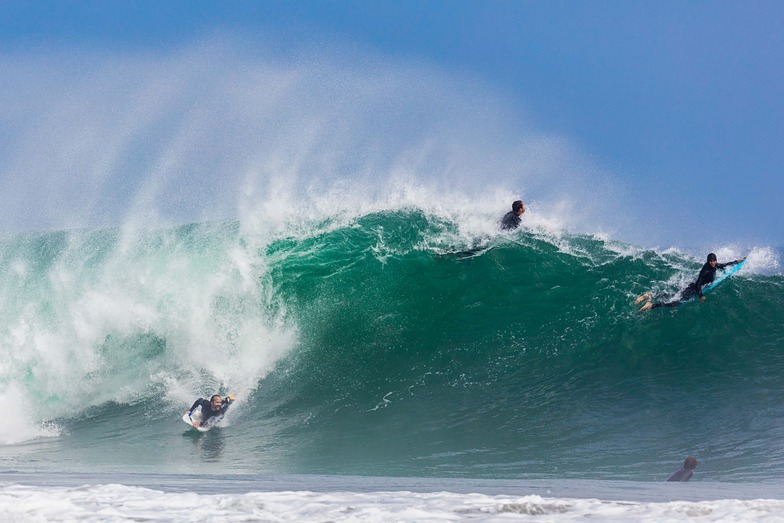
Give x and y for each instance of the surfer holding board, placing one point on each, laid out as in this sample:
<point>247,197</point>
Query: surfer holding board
<point>208,413</point>
<point>705,281</point>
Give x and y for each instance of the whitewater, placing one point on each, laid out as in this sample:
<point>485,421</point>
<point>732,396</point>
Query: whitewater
<point>396,357</point>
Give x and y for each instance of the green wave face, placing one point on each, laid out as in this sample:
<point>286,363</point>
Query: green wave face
<point>512,355</point>
<point>389,344</point>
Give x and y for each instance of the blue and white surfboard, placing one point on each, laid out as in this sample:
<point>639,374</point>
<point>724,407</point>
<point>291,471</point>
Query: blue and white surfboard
<point>723,275</point>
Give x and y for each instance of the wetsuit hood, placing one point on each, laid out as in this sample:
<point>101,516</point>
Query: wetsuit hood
<point>711,257</point>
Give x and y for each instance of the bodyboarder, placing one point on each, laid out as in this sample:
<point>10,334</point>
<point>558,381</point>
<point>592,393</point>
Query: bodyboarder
<point>214,409</point>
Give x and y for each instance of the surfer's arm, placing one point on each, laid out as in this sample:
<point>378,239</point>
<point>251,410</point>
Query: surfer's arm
<point>702,280</point>
<point>227,401</point>
<point>729,264</point>
<point>195,404</point>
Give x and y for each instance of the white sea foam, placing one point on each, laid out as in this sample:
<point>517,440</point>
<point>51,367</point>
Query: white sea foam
<point>18,425</point>
<point>173,313</point>
<point>760,259</point>
<point>111,503</point>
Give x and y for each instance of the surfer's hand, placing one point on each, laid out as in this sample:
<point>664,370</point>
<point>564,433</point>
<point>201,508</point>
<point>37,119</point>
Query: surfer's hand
<point>702,298</point>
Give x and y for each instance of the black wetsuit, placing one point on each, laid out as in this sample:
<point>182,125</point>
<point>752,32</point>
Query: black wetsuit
<point>706,276</point>
<point>206,409</point>
<point>682,474</point>
<point>510,221</point>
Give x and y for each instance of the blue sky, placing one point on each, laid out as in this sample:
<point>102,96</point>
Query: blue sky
<point>680,101</point>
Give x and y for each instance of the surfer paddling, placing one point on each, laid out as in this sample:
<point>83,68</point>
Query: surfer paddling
<point>511,220</point>
<point>706,277</point>
<point>214,408</point>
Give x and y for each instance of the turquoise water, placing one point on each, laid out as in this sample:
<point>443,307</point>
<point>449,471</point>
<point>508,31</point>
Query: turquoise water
<point>388,344</point>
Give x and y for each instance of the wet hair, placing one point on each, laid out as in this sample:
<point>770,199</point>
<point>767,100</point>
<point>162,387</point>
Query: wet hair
<point>214,396</point>
<point>517,205</point>
<point>711,257</point>
<point>690,463</point>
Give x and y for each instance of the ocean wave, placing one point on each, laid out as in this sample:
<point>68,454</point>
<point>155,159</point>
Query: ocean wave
<point>464,354</point>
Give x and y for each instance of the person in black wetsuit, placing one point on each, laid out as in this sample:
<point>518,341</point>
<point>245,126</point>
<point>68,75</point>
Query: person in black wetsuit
<point>511,220</point>
<point>686,472</point>
<point>706,276</point>
<point>214,408</point>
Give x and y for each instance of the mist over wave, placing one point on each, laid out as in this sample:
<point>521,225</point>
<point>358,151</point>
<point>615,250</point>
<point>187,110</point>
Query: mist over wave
<point>96,316</point>
<point>219,130</point>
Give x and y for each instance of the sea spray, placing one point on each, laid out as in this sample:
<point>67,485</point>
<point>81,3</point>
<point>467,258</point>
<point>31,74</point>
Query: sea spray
<point>95,316</point>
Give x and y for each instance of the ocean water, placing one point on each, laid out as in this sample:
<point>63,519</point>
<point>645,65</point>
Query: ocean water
<point>388,366</point>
